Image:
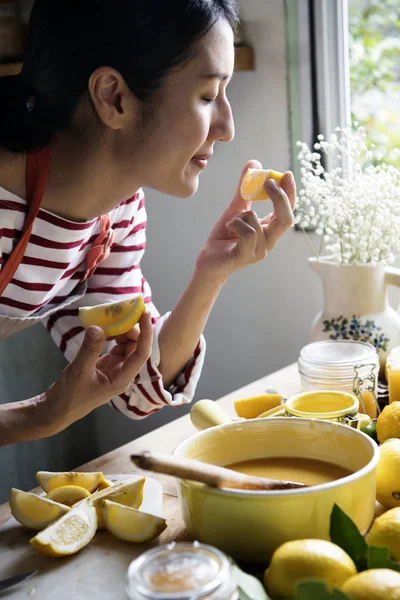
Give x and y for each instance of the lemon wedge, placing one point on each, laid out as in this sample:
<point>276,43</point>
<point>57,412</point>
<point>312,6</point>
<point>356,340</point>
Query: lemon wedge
<point>106,483</point>
<point>252,187</point>
<point>70,533</point>
<point>128,493</point>
<point>131,525</point>
<point>68,494</point>
<point>34,512</point>
<point>251,408</point>
<point>49,481</point>
<point>114,318</point>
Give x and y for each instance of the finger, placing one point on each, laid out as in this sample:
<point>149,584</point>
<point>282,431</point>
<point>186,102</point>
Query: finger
<point>90,350</point>
<point>246,234</point>
<point>283,215</point>
<point>253,220</point>
<point>288,184</point>
<point>135,360</point>
<point>238,202</point>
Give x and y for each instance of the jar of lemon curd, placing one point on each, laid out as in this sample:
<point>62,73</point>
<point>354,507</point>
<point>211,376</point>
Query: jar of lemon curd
<point>342,365</point>
<point>181,571</point>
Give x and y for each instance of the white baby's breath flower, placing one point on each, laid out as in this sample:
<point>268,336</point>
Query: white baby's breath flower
<point>356,206</point>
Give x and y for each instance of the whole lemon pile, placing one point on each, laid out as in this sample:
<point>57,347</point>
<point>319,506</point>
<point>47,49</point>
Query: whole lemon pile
<point>304,560</point>
<point>76,505</point>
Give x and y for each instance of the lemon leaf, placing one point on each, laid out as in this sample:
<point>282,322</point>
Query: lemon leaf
<point>345,533</point>
<point>379,558</point>
<point>317,590</point>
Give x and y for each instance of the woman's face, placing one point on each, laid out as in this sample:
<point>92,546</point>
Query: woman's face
<point>192,112</point>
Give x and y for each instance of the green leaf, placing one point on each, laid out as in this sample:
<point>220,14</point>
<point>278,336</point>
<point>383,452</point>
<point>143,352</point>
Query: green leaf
<point>250,588</point>
<point>317,590</point>
<point>345,534</point>
<point>379,558</point>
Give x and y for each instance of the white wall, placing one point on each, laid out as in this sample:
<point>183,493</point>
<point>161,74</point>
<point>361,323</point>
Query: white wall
<point>263,315</point>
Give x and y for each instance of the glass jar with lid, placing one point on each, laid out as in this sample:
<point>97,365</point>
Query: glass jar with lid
<point>181,571</point>
<point>342,365</point>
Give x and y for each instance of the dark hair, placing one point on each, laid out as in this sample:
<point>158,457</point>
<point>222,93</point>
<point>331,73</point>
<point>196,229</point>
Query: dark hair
<point>69,39</point>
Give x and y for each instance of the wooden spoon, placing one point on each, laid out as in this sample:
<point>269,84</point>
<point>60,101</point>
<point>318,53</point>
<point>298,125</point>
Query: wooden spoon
<point>195,470</point>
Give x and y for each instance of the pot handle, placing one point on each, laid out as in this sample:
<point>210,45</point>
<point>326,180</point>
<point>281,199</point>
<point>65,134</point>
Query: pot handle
<point>207,413</point>
<point>392,276</point>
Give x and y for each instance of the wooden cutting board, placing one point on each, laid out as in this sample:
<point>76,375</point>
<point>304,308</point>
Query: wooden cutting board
<point>99,570</point>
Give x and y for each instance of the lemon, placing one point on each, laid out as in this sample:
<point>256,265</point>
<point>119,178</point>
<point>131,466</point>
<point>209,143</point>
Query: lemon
<point>388,474</point>
<point>34,512</point>
<point>68,494</point>
<point>388,423</point>
<point>306,559</point>
<point>131,525</point>
<point>385,531</point>
<point>250,408</point>
<point>106,483</point>
<point>70,533</point>
<point>252,187</point>
<point>374,584</point>
<point>49,481</point>
<point>114,318</point>
<point>128,493</point>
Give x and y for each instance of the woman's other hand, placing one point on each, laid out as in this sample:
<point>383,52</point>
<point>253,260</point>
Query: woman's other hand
<point>240,237</point>
<point>92,379</point>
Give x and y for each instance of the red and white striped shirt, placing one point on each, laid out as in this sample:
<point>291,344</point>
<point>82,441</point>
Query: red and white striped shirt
<point>52,268</point>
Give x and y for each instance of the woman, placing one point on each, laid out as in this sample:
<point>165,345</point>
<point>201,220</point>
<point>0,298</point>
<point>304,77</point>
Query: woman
<point>110,100</point>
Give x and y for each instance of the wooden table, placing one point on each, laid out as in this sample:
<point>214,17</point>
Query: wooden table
<point>166,438</point>
<point>57,577</point>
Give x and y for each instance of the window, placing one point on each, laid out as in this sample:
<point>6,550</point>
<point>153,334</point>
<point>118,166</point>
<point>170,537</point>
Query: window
<point>344,66</point>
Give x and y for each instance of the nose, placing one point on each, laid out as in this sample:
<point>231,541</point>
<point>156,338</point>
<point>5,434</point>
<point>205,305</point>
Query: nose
<point>223,127</point>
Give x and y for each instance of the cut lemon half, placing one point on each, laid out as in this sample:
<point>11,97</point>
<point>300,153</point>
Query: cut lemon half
<point>68,494</point>
<point>49,481</point>
<point>34,512</point>
<point>252,187</point>
<point>69,534</point>
<point>115,318</point>
<point>128,493</point>
<point>131,525</point>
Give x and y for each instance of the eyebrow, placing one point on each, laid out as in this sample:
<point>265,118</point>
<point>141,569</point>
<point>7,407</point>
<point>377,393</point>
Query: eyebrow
<point>220,76</point>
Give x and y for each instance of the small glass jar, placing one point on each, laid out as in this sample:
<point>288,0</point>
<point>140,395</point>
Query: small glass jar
<point>342,365</point>
<point>181,571</point>
<point>392,371</point>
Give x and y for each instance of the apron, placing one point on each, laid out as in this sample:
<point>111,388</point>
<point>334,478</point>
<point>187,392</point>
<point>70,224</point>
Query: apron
<point>37,172</point>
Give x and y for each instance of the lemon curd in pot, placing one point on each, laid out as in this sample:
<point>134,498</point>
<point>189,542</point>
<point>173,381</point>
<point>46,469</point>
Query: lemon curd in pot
<point>303,470</point>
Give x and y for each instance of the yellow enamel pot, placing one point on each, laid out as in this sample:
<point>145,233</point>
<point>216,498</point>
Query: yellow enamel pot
<point>250,525</point>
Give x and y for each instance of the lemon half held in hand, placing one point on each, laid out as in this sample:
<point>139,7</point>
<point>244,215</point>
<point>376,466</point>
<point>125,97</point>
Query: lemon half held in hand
<point>252,187</point>
<point>114,318</point>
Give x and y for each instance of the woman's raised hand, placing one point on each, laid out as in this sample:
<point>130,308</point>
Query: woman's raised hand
<point>240,237</point>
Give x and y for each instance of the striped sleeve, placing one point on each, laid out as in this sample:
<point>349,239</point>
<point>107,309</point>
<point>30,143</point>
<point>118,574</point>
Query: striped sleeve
<point>120,277</point>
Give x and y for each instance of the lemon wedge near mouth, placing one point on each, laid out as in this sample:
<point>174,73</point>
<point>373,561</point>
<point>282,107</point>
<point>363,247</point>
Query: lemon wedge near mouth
<point>68,494</point>
<point>49,480</point>
<point>114,318</point>
<point>252,187</point>
<point>70,533</point>
<point>34,512</point>
<point>131,525</point>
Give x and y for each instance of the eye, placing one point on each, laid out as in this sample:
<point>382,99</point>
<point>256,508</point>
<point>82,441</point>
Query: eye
<point>208,100</point>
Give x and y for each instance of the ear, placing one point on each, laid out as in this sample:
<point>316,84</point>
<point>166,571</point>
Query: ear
<point>113,100</point>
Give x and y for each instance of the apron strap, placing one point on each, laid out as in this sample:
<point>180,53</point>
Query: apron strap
<point>37,172</point>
